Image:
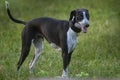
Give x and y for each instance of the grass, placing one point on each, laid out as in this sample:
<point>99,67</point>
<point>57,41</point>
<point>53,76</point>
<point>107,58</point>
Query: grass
<point>97,52</point>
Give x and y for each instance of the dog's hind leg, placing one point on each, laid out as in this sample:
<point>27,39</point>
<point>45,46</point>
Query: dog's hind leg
<point>27,36</point>
<point>38,44</point>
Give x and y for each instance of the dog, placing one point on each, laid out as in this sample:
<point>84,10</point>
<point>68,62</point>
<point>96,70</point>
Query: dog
<point>61,34</point>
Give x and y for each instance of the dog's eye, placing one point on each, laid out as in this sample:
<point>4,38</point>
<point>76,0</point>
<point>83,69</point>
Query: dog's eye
<point>80,17</point>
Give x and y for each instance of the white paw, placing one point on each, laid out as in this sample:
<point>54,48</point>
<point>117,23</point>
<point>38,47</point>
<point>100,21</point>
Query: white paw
<point>65,75</point>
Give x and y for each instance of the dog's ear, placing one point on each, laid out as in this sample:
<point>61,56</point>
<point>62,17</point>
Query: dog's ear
<point>72,15</point>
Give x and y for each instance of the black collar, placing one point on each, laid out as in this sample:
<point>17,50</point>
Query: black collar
<point>75,29</point>
<point>72,25</point>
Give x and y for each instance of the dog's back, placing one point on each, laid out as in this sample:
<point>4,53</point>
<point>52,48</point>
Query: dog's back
<point>50,28</point>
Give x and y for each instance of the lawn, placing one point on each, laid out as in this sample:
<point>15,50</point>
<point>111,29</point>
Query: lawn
<point>97,53</point>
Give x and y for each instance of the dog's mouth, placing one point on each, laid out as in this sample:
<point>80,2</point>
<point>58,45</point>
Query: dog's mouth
<point>83,27</point>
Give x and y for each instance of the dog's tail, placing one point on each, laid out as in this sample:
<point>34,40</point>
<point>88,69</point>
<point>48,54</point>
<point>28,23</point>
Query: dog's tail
<point>10,16</point>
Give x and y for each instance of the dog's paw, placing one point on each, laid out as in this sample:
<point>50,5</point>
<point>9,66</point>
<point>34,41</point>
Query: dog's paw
<point>65,76</point>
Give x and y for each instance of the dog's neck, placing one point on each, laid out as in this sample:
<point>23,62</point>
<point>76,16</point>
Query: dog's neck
<point>74,28</point>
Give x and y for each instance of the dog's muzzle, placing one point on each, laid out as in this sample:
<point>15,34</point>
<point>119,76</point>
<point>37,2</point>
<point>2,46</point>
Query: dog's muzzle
<point>84,27</point>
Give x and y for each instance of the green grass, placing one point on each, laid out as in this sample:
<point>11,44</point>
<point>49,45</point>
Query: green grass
<point>97,53</point>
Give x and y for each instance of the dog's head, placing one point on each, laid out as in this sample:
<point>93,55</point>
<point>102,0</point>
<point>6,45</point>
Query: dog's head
<point>80,19</point>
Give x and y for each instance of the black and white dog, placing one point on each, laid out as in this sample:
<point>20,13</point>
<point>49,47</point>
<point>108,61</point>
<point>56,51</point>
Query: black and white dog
<point>61,33</point>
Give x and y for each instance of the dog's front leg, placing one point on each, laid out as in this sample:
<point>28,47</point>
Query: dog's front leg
<point>65,57</point>
<point>66,61</point>
<point>65,65</point>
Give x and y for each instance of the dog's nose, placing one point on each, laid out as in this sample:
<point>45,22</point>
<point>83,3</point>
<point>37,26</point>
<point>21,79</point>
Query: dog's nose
<point>87,25</point>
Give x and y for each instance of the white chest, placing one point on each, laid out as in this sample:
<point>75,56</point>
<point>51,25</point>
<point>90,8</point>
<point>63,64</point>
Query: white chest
<point>71,40</point>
